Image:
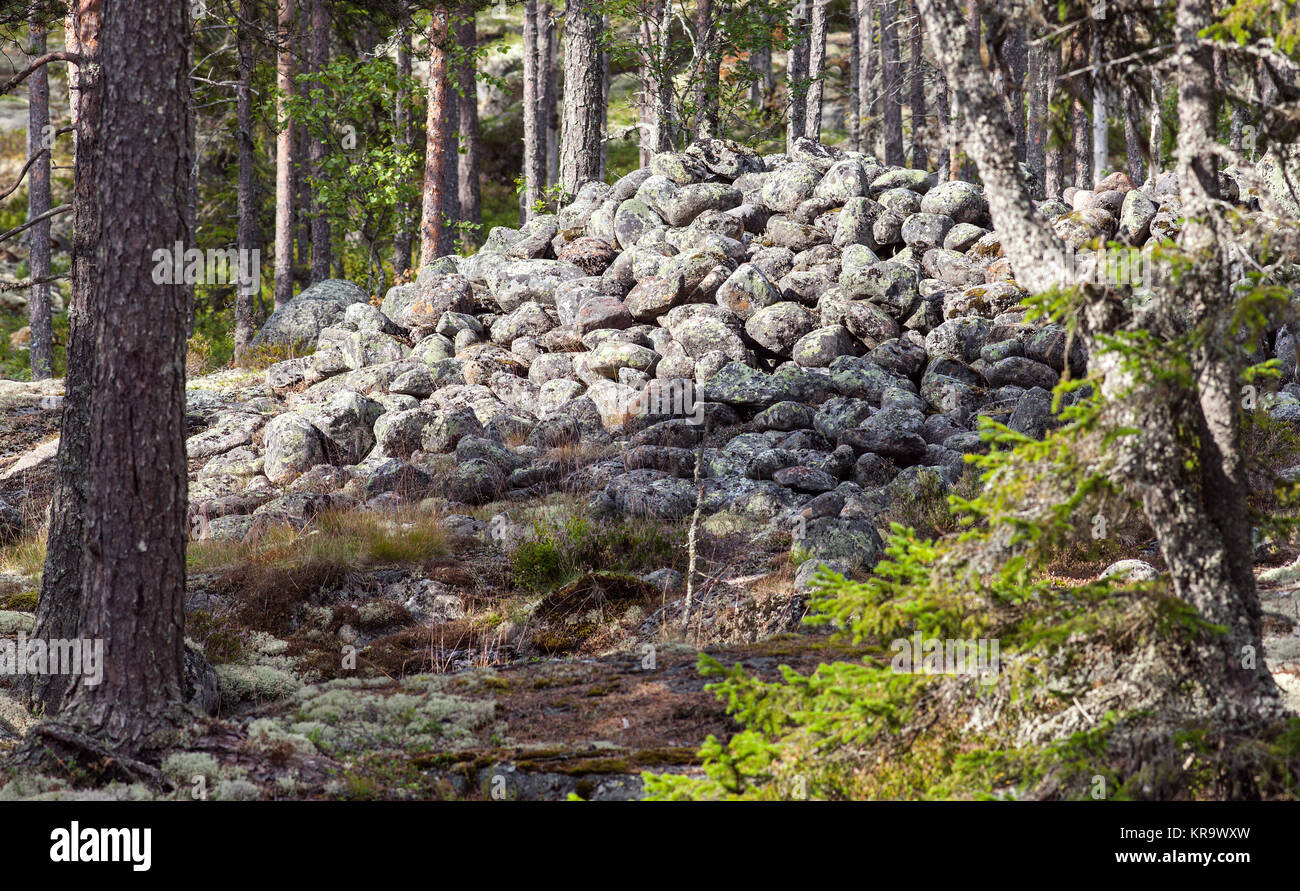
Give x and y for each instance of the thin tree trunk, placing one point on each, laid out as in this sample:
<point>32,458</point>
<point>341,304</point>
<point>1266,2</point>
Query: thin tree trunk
<point>59,605</point>
<point>436,148</point>
<point>920,158</point>
<point>1132,136</point>
<point>534,126</point>
<point>648,135</point>
<point>302,199</point>
<point>447,135</point>
<point>707,80</point>
<point>1080,120</point>
<point>944,115</point>
<point>404,137</point>
<point>40,141</point>
<point>1054,150</point>
<point>868,90</point>
<point>1016,51</point>
<point>816,71</point>
<point>855,73</point>
<point>548,41</point>
<point>246,235</point>
<point>665,120</point>
<point>320,221</point>
<point>604,101</point>
<point>471,203</point>
<point>284,158</point>
<point>136,529</point>
<point>1100,107</point>
<point>796,72</point>
<point>1035,122</point>
<point>1157,134</point>
<point>891,84</point>
<point>583,96</point>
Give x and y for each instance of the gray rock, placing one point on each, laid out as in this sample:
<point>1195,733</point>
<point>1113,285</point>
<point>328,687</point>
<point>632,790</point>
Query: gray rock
<point>301,320</point>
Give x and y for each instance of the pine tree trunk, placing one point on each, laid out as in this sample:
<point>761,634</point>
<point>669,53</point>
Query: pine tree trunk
<point>432,236</point>
<point>1100,108</point>
<point>604,102</point>
<point>534,126</point>
<point>1080,120</point>
<point>920,157</point>
<point>320,222</point>
<point>59,606</point>
<point>548,40</point>
<point>796,72</point>
<point>944,115</point>
<point>1157,133</point>
<point>246,235</point>
<point>1132,136</point>
<point>447,135</point>
<point>854,121</point>
<point>816,71</point>
<point>868,90</point>
<point>1035,126</point>
<point>665,120</point>
<point>471,203</point>
<point>1016,51</point>
<point>583,96</point>
<point>302,203</point>
<point>284,157</point>
<point>40,140</point>
<point>404,137</point>
<point>891,84</point>
<point>1054,151</point>
<point>136,529</point>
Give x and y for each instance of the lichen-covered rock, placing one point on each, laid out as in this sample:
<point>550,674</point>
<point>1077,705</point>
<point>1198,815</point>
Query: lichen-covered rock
<point>960,201</point>
<point>780,325</point>
<point>301,320</point>
<point>293,446</point>
<point>785,189</point>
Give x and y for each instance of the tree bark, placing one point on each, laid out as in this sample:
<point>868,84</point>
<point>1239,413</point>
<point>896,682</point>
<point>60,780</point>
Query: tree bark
<point>470,198</point>
<point>1100,106</point>
<point>448,136</point>
<point>404,137</point>
<point>583,96</point>
<point>40,142</point>
<point>855,73</point>
<point>432,227</point>
<point>944,115</point>
<point>1132,136</point>
<point>891,84</point>
<point>320,221</point>
<point>816,70</point>
<point>1016,52</point>
<point>59,605</point>
<point>246,234</point>
<point>1157,135</point>
<point>1080,121</point>
<point>284,157</point>
<point>136,507</point>
<point>1054,150</point>
<point>796,72</point>
<point>1035,119</point>
<point>549,66</point>
<point>868,91</point>
<point>920,158</point>
<point>534,127</point>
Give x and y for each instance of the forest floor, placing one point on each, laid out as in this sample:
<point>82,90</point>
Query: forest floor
<point>478,717</point>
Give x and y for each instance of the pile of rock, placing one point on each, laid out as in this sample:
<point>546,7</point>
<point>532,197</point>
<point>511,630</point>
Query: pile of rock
<point>820,331</point>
